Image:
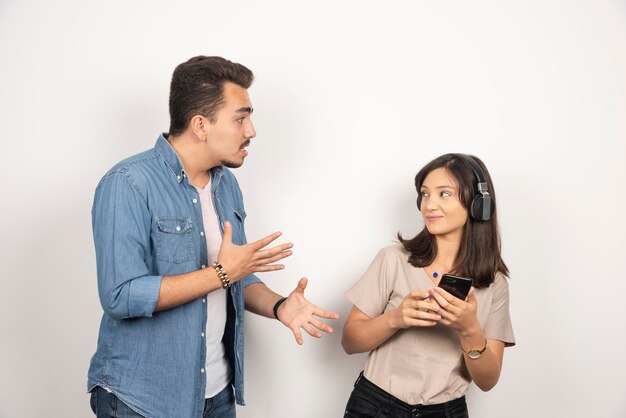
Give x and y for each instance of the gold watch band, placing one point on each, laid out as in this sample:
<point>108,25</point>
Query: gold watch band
<point>475,352</point>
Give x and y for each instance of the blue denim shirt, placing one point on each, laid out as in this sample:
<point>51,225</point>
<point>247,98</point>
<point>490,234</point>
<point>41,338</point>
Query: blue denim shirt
<point>147,223</point>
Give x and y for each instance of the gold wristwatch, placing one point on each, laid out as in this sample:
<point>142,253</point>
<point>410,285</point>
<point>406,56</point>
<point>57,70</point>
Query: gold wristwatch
<point>475,353</point>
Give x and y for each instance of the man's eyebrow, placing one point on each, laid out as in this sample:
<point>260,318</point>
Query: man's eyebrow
<point>245,110</point>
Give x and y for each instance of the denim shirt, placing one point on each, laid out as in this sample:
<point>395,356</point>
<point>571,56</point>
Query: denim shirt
<point>147,223</point>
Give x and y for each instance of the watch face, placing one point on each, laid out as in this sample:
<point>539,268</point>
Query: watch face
<point>474,354</point>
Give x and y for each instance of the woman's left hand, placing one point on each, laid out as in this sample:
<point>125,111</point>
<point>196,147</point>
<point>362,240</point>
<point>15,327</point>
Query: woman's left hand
<point>456,313</point>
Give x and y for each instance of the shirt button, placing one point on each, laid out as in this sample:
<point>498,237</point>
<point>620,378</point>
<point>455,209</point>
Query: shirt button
<point>177,177</point>
<point>178,227</point>
<point>201,233</point>
<point>195,200</point>
<point>202,334</point>
<point>203,266</point>
<point>203,300</point>
<point>201,370</point>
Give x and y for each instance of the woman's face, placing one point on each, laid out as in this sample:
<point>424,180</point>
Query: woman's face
<point>443,213</point>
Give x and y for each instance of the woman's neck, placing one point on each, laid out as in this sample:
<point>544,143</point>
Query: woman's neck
<point>447,250</point>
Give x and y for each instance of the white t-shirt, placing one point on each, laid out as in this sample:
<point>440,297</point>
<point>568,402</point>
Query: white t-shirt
<point>216,367</point>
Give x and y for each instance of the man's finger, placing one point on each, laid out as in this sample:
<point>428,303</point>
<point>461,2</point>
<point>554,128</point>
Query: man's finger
<point>228,233</point>
<point>280,256</point>
<point>311,331</point>
<point>321,326</point>
<point>271,252</point>
<point>264,242</point>
<point>269,267</point>
<point>302,285</point>
<point>296,333</point>
<point>325,314</point>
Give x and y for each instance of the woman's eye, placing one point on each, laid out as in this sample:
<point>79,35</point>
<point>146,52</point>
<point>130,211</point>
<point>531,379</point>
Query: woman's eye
<point>423,193</point>
<point>446,194</point>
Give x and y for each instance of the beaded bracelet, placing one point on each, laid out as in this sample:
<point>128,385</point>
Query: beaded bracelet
<point>221,273</point>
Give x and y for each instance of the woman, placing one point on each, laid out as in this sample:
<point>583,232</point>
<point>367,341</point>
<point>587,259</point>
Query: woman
<point>426,345</point>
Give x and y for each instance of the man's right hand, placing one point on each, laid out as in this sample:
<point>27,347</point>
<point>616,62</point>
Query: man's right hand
<point>240,261</point>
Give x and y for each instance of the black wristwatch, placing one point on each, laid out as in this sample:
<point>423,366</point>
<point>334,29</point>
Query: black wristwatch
<point>277,305</point>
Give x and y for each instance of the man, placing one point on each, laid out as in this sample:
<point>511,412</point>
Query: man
<point>174,269</point>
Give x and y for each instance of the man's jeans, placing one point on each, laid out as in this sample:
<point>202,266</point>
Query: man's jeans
<point>107,405</point>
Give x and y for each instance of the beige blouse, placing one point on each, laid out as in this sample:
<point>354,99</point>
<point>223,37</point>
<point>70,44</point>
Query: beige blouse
<point>422,365</point>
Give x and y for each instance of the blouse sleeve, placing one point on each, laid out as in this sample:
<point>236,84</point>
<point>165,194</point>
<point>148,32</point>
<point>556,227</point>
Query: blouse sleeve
<point>372,291</point>
<point>498,325</point>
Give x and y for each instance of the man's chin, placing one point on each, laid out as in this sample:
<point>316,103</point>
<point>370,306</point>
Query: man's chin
<point>232,164</point>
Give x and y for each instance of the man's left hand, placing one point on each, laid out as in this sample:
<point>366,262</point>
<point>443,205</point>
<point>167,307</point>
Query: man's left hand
<point>297,312</point>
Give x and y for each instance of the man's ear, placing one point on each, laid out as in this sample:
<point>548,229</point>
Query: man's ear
<point>199,126</point>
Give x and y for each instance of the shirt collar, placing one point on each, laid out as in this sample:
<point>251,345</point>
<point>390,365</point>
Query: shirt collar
<point>173,162</point>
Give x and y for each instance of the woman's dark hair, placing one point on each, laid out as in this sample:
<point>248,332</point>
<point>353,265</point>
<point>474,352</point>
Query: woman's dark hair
<point>479,254</point>
<point>197,88</point>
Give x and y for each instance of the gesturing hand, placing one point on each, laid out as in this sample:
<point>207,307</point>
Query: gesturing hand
<point>240,261</point>
<point>415,311</point>
<point>297,312</point>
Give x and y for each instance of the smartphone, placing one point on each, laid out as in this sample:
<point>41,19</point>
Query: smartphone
<point>456,285</point>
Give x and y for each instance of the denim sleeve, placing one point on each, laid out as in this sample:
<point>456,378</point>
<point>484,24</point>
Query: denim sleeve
<point>121,225</point>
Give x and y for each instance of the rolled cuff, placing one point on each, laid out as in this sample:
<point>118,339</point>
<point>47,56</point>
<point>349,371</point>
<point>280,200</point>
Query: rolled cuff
<point>248,280</point>
<point>143,296</point>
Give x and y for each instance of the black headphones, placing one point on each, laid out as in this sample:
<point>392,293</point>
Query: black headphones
<point>481,207</point>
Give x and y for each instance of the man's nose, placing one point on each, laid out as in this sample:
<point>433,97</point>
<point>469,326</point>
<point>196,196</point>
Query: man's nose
<point>250,131</point>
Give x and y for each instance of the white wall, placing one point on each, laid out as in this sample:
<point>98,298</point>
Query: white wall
<point>351,99</point>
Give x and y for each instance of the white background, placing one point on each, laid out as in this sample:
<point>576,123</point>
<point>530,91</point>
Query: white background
<point>351,99</point>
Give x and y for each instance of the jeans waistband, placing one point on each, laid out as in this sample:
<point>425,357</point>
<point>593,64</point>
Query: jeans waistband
<point>364,384</point>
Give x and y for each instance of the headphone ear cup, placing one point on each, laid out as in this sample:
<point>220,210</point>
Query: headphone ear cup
<point>481,208</point>
<point>476,208</point>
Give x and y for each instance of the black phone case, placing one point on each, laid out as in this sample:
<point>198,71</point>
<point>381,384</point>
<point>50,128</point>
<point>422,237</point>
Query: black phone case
<point>456,285</point>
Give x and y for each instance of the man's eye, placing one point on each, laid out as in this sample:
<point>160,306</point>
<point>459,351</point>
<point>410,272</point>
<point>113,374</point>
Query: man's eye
<point>240,120</point>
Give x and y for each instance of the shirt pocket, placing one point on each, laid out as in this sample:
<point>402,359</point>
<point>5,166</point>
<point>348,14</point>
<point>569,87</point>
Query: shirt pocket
<point>174,240</point>
<point>239,236</point>
<point>240,215</point>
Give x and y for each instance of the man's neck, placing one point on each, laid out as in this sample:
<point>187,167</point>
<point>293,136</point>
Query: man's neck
<point>195,166</point>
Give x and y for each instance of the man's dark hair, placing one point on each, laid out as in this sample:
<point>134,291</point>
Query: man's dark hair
<point>197,88</point>
<point>479,255</point>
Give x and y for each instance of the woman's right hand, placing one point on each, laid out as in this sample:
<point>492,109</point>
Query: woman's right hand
<point>416,310</point>
<point>240,261</point>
